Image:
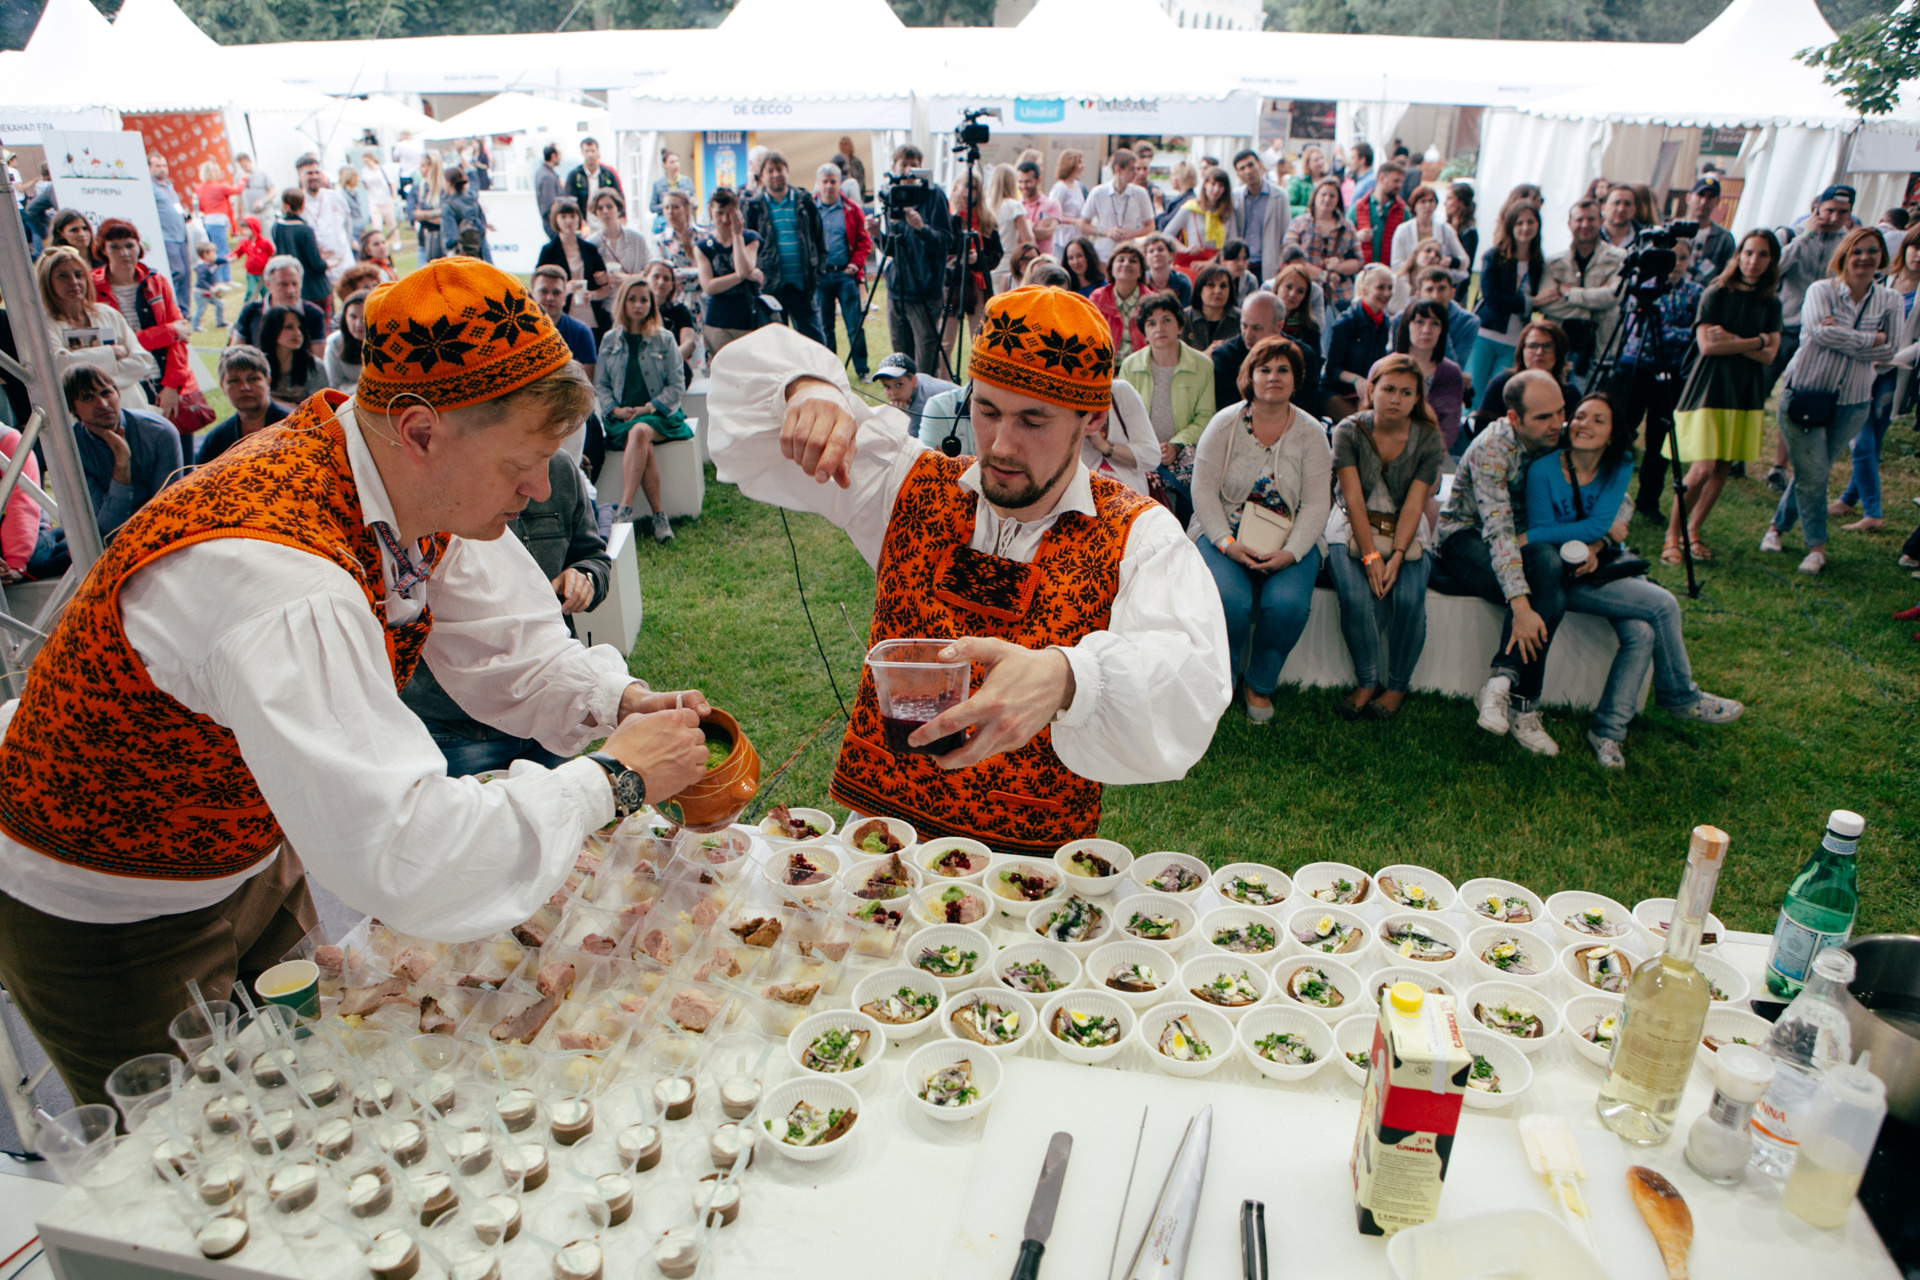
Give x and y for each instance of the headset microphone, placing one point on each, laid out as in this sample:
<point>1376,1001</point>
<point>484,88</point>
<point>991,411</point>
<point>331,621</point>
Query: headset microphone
<point>951,445</point>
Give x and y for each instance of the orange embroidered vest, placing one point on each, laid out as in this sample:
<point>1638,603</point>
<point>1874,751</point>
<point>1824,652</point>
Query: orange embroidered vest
<point>101,769</point>
<point>931,583</point>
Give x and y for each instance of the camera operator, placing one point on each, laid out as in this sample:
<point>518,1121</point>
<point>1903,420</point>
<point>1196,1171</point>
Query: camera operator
<point>1582,290</point>
<point>917,234</point>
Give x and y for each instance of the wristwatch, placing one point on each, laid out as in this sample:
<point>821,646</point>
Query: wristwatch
<point>629,788</point>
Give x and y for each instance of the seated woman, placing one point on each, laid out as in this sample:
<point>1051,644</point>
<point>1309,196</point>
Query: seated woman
<point>1422,334</point>
<point>1214,317</point>
<point>1579,495</point>
<point>1161,273</point>
<point>1386,460</point>
<point>1407,272</point>
<point>1201,225</point>
<point>1121,298</point>
<point>1359,338</point>
<point>1264,452</point>
<point>375,250</point>
<point>345,344</point>
<point>674,316</point>
<point>1543,346</point>
<point>1082,261</point>
<point>1305,322</point>
<point>283,340</point>
<point>637,382</point>
<point>1176,382</point>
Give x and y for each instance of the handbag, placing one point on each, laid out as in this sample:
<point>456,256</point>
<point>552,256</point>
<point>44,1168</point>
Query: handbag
<point>192,413</point>
<point>1810,409</point>
<point>1263,530</point>
<point>1383,523</point>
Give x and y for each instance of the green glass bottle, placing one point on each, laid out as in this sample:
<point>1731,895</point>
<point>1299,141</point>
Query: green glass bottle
<point>1820,906</point>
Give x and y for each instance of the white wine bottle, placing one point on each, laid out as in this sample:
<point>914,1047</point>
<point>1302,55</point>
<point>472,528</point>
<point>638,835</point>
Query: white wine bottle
<point>1666,1010</point>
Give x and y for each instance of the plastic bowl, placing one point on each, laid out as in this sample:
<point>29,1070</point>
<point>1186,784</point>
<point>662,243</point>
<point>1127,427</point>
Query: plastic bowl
<point>927,907</point>
<point>901,829</point>
<point>830,858</point>
<point>979,858</point>
<point>1105,1003</point>
<point>1435,888</point>
<point>828,1093</point>
<point>1307,918</point>
<point>1726,1023</point>
<point>1207,1022</point>
<point>856,874</point>
<point>849,1019</point>
<point>1531,999</point>
<point>1731,982</point>
<point>1576,972</point>
<point>1061,962</point>
<point>1354,1034</point>
<point>939,1054</point>
<point>818,817</point>
<point>1348,983</point>
<point>1567,901</point>
<point>1654,914</point>
<point>1511,1065</point>
<point>1580,1014</point>
<point>1104,960</point>
<point>1016,908</point>
<point>1247,922</point>
<point>1486,886</point>
<point>1205,967</point>
<point>1157,904</point>
<point>1104,931</point>
<point>1536,948</point>
<point>1268,1020</point>
<point>886,982</point>
<point>1153,865</point>
<point>1316,877</point>
<point>962,937</point>
<point>1422,976</point>
<point>1093,886</point>
<point>1430,925</point>
<point>1012,1001</point>
<point>1275,880</point>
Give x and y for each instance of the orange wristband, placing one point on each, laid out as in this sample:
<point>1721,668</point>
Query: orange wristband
<point>1372,557</point>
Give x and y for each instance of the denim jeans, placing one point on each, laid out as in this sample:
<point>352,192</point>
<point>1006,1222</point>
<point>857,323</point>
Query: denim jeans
<point>1272,606</point>
<point>1863,489</point>
<point>1402,611</point>
<point>201,301</point>
<point>1646,618</point>
<point>466,757</point>
<point>839,288</point>
<point>913,328</point>
<point>217,232</point>
<point>1465,568</point>
<point>802,315</point>
<point>1812,451</point>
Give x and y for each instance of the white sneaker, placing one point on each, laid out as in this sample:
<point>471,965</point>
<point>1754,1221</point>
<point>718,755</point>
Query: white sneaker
<point>1493,704</point>
<point>662,531</point>
<point>1770,540</point>
<point>1607,751</point>
<point>1814,563</point>
<point>1711,709</point>
<point>1531,734</point>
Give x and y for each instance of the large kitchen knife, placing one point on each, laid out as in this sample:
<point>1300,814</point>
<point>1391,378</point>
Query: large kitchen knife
<point>1162,1254</point>
<point>1046,1199</point>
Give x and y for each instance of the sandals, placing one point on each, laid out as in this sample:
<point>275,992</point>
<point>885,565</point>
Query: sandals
<point>1670,553</point>
<point>1701,551</point>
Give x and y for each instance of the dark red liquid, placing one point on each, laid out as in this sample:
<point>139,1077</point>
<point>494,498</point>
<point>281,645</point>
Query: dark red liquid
<point>909,715</point>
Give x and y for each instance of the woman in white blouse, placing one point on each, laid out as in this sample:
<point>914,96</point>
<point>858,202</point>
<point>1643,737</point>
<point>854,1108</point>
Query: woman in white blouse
<point>626,251</point>
<point>1425,224</point>
<point>1268,453</point>
<point>81,329</point>
<point>1070,192</point>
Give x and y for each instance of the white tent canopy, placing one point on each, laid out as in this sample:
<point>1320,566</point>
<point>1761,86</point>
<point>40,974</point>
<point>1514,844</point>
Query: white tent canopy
<point>509,113</point>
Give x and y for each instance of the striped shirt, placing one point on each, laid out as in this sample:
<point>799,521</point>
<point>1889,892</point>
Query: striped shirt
<point>1839,356</point>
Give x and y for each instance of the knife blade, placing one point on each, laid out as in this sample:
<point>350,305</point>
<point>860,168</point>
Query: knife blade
<point>1046,1199</point>
<point>1162,1254</point>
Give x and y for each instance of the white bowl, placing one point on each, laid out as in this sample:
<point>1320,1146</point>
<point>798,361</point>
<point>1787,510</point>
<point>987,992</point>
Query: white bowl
<point>979,857</point>
<point>1732,983</point>
<point>849,1019</point>
<point>1479,890</point>
<point>928,908</point>
<point>825,1092</point>
<point>963,937</point>
<point>1511,1065</point>
<point>1062,963</point>
<point>1107,1004</point>
<point>1512,993</point>
<point>985,1069</point>
<point>1576,972</point>
<point>1011,1001</point>
<point>1277,882</point>
<point>1423,976</point>
<point>1016,908</point>
<point>1654,914</point>
<point>1439,891</point>
<point>1163,906</point>
<point>1580,1014</point>
<point>887,981</point>
<point>1354,1034</point>
<point>1318,876</point>
<point>1247,922</point>
<point>1427,923</point>
<point>1207,1022</point>
<point>901,829</point>
<point>1344,979</point>
<point>1104,960</point>
<point>856,873</point>
<point>1205,967</point>
<point>1536,948</point>
<point>818,817</point>
<point>1093,886</point>
<point>1724,1022</point>
<point>1149,866</point>
<point>1306,918</point>
<point>830,858</point>
<point>1270,1020</point>
<point>1104,931</point>
<point>1567,901</point>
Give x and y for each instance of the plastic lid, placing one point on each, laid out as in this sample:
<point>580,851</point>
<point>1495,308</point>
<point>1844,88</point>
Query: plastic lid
<point>1742,1072</point>
<point>1856,1087</point>
<point>1407,997</point>
<point>1836,963</point>
<point>1845,823</point>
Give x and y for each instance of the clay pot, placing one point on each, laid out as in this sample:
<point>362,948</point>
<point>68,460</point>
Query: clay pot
<point>717,800</point>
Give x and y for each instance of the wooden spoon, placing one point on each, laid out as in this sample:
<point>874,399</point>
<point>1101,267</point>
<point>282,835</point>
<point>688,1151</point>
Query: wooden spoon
<point>1665,1210</point>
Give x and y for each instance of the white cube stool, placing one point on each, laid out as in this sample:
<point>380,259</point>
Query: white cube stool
<point>683,481</point>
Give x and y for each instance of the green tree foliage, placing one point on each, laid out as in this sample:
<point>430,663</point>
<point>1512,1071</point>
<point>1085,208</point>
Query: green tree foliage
<point>1630,20</point>
<point>1871,60</point>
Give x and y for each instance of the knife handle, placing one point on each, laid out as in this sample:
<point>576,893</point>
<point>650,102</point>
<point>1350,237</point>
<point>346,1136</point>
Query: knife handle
<point>1028,1268</point>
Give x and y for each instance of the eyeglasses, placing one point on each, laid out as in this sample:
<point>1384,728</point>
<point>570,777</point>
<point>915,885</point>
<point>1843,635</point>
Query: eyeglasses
<point>1536,346</point>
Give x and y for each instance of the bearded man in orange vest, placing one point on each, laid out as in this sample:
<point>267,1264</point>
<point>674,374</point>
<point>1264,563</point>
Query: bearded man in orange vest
<point>1096,637</point>
<point>224,688</point>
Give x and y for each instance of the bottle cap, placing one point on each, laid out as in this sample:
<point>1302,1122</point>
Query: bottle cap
<point>1708,844</point>
<point>1856,1087</point>
<point>1836,964</point>
<point>1407,997</point>
<point>1742,1072</point>
<point>1846,824</point>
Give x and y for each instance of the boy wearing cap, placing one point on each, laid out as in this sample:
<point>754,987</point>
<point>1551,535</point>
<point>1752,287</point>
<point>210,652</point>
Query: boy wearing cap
<point>1098,642</point>
<point>908,390</point>
<point>224,688</point>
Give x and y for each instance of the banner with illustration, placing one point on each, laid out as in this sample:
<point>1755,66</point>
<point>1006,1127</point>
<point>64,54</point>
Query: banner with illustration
<point>723,162</point>
<point>104,175</point>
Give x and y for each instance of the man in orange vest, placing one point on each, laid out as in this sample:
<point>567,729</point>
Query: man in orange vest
<point>224,689</point>
<point>1097,639</point>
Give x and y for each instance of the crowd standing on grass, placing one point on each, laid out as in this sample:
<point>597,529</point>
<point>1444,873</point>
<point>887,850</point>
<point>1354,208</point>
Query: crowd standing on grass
<point>1320,370</point>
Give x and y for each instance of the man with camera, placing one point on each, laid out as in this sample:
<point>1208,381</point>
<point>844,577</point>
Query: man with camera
<point>917,233</point>
<point>787,221</point>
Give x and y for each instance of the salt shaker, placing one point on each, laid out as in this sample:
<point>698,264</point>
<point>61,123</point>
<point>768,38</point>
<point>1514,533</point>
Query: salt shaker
<point>1721,1140</point>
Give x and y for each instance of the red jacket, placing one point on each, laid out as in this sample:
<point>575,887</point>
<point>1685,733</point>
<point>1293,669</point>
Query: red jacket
<point>1393,215</point>
<point>1103,299</point>
<point>155,329</point>
<point>256,248</point>
<point>859,243</point>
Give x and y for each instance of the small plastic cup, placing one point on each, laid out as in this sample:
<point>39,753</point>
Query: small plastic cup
<point>72,1138</point>
<point>113,1176</point>
<point>191,1030</point>
<point>140,1084</point>
<point>913,685</point>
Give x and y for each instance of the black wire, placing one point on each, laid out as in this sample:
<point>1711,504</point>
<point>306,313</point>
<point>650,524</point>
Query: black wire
<point>22,1268</point>
<point>802,587</point>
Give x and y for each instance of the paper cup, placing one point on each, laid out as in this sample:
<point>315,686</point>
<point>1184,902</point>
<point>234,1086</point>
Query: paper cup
<point>294,984</point>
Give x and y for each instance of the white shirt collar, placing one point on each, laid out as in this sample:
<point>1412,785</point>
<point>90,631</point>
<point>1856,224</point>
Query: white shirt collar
<point>1077,496</point>
<point>374,504</point>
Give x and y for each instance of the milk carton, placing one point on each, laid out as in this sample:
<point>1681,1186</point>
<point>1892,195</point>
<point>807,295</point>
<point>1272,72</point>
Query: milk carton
<point>1415,1081</point>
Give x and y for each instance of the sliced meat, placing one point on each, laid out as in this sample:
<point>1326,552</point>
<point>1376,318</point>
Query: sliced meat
<point>528,935</point>
<point>721,963</point>
<point>693,1010</point>
<point>358,1002</point>
<point>761,931</point>
<point>413,963</point>
<point>331,960</point>
<point>555,979</point>
<point>597,944</point>
<point>657,944</point>
<point>434,1021</point>
<point>633,915</point>
<point>582,1040</point>
<point>474,980</point>
<point>522,1027</point>
<point>705,913</point>
<point>834,951</point>
<point>793,992</point>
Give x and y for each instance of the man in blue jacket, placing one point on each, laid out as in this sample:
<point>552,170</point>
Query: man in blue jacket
<point>128,456</point>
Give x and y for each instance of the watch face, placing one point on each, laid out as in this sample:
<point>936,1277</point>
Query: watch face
<point>629,792</point>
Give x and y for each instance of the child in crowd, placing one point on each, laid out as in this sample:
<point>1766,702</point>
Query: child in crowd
<point>206,288</point>
<point>256,250</point>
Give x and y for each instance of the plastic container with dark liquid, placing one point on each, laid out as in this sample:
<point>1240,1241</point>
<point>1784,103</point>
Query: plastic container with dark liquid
<point>912,685</point>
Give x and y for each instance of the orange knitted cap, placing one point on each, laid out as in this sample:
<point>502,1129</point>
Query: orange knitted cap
<point>1047,343</point>
<point>455,333</point>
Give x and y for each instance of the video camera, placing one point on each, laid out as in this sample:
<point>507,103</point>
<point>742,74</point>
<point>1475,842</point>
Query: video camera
<point>910,190</point>
<point>968,135</point>
<point>1648,270</point>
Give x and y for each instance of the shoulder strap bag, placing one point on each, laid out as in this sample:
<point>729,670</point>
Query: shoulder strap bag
<point>1810,409</point>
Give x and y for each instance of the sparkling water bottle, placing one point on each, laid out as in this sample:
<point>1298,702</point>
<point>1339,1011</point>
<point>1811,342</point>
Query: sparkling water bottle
<point>1820,906</point>
<point>1811,1036</point>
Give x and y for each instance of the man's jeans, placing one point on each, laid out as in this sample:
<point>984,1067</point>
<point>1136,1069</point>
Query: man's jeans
<point>801,313</point>
<point>837,287</point>
<point>1646,618</point>
<point>913,328</point>
<point>1863,490</point>
<point>465,757</point>
<point>1273,606</point>
<point>1403,611</point>
<point>1466,569</point>
<point>1812,451</point>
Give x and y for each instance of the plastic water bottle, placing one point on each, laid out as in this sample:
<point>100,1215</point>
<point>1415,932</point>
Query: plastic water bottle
<point>1811,1037</point>
<point>1842,1126</point>
<point>1820,906</point>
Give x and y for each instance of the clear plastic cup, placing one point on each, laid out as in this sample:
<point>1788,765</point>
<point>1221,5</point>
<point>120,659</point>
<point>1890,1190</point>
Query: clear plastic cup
<point>72,1138</point>
<point>140,1084</point>
<point>913,685</point>
<point>195,1034</point>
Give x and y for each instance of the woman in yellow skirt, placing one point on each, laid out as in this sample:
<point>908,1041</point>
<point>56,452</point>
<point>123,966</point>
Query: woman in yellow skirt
<point>1722,408</point>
